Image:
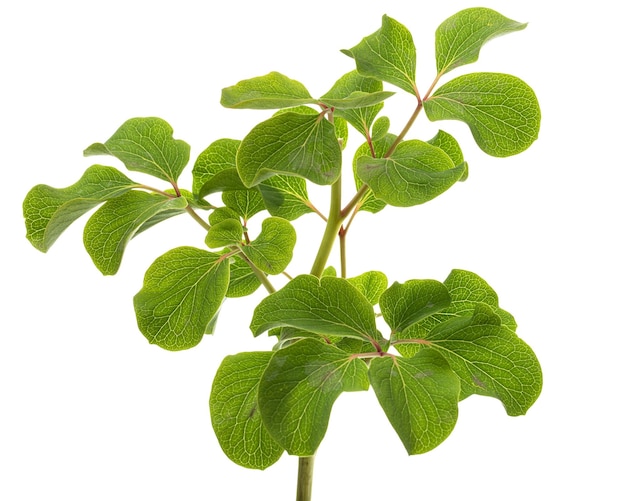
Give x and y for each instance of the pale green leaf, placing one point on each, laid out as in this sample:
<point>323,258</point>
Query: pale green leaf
<point>215,168</point>
<point>49,211</point>
<point>388,55</point>
<point>235,412</point>
<point>447,143</point>
<point>244,202</point>
<point>419,396</point>
<point>415,173</point>
<point>113,225</point>
<point>146,145</point>
<point>182,291</point>
<point>298,389</point>
<point>271,91</point>
<point>380,128</point>
<point>293,144</point>
<point>227,232</point>
<point>285,196</point>
<point>221,214</point>
<point>501,110</point>
<point>459,38</point>
<point>357,100</point>
<point>243,281</point>
<point>371,284</point>
<point>272,250</point>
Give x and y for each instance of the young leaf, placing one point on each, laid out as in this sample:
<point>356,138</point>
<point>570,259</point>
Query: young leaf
<point>114,224</point>
<point>501,110</point>
<point>271,91</point>
<point>415,173</point>
<point>235,414</point>
<point>371,284</point>
<point>388,55</point>
<point>285,196</point>
<point>419,396</point>
<point>243,281</point>
<point>222,214</point>
<point>272,250</point>
<point>227,232</point>
<point>292,144</point>
<point>215,169</point>
<point>146,145</point>
<point>402,305</point>
<point>447,143</point>
<point>244,202</point>
<point>330,306</point>
<point>182,291</point>
<point>380,128</point>
<point>49,211</point>
<point>459,38</point>
<point>298,389</point>
<point>357,100</point>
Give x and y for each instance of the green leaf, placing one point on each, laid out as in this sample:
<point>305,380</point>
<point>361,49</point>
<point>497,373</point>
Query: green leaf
<point>371,284</point>
<point>447,143</point>
<point>489,359</point>
<point>380,146</point>
<point>459,38</point>
<point>243,281</point>
<point>501,110</point>
<point>146,145</point>
<point>222,214</point>
<point>272,250</point>
<point>113,225</point>
<point>419,396</point>
<point>227,232</point>
<point>415,173</point>
<point>357,100</point>
<point>293,144</point>
<point>48,211</point>
<point>244,202</point>
<point>298,389</point>
<point>215,169</point>
<point>380,128</point>
<point>402,305</point>
<point>182,291</point>
<point>285,196</point>
<point>350,83</point>
<point>271,91</point>
<point>387,54</point>
<point>235,412</point>
<point>328,307</point>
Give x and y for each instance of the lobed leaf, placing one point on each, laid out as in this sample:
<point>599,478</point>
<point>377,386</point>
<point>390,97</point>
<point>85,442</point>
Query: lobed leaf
<point>182,292</point>
<point>48,211</point>
<point>419,396</point>
<point>501,110</point>
<point>146,145</point>
<point>290,143</point>
<point>215,169</point>
<point>298,389</point>
<point>235,412</point>
<point>272,250</point>
<point>459,38</point>
<point>271,91</point>
<point>113,225</point>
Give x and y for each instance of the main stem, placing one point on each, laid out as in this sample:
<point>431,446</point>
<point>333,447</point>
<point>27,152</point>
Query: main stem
<point>335,218</point>
<point>305,478</point>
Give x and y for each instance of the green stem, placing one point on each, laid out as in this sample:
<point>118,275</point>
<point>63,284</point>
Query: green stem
<point>342,251</point>
<point>406,129</point>
<point>305,478</point>
<point>259,274</point>
<point>333,225</point>
<point>198,219</point>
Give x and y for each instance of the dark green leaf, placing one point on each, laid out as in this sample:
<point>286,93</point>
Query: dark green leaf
<point>182,291</point>
<point>146,145</point>
<point>235,414</point>
<point>285,196</point>
<point>49,211</point>
<point>419,396</point>
<point>271,91</point>
<point>292,144</point>
<point>501,110</point>
<point>114,224</point>
<point>298,389</point>
<point>272,250</point>
<point>215,169</point>
<point>227,232</point>
<point>459,38</point>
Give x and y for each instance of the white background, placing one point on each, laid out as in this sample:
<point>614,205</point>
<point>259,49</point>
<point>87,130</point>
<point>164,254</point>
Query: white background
<point>90,411</point>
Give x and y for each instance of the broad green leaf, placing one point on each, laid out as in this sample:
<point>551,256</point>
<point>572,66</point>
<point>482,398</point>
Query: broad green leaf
<point>459,38</point>
<point>49,211</point>
<point>227,232</point>
<point>501,110</point>
<point>419,396</point>
<point>371,284</point>
<point>268,92</point>
<point>222,214</point>
<point>402,305</point>
<point>215,168</point>
<point>360,118</point>
<point>293,144</point>
<point>113,225</point>
<point>329,307</point>
<point>146,145</point>
<point>285,196</point>
<point>235,412</point>
<point>415,173</point>
<point>380,146</point>
<point>298,389</point>
<point>182,291</point>
<point>452,148</point>
<point>489,359</point>
<point>243,281</point>
<point>272,250</point>
<point>388,55</point>
<point>244,202</point>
